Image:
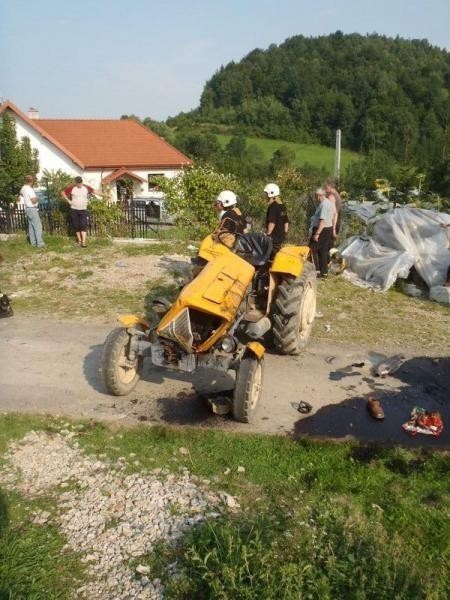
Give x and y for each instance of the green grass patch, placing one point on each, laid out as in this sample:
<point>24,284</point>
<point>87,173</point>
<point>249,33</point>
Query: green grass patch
<point>317,520</point>
<point>312,154</point>
<point>84,274</point>
<point>32,564</point>
<point>386,319</point>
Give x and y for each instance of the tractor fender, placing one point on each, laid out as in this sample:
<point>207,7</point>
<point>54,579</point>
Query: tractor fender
<point>289,260</point>
<point>255,348</point>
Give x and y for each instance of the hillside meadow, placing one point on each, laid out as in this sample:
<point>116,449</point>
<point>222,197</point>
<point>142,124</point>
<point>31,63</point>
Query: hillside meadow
<point>318,156</point>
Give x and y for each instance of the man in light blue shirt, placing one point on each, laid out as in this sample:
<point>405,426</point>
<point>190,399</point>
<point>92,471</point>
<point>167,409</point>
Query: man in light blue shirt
<point>321,232</point>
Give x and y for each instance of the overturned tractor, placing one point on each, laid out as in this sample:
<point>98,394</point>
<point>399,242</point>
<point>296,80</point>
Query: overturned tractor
<point>222,319</point>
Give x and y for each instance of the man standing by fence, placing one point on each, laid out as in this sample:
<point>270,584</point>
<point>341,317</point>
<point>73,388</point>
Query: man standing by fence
<point>78,196</point>
<point>29,200</point>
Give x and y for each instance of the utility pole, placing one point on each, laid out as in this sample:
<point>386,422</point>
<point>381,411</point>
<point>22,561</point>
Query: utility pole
<point>337,157</point>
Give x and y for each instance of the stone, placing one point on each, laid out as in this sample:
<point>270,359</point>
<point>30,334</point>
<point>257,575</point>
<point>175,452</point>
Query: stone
<point>440,293</point>
<point>142,569</point>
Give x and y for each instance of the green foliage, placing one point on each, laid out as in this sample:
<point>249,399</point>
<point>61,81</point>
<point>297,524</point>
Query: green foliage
<point>200,146</point>
<point>32,564</point>
<point>311,155</point>
<point>190,196</point>
<point>55,182</point>
<point>107,215</point>
<point>389,94</point>
<point>17,160</point>
<point>283,157</point>
<point>329,551</point>
<point>296,191</point>
<point>158,127</point>
<point>359,178</point>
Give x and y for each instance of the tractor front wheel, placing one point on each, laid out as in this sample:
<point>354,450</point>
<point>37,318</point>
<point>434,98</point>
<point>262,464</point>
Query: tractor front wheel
<point>248,388</point>
<point>120,374</point>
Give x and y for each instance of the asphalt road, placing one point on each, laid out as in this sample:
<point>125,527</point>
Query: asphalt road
<point>49,366</point>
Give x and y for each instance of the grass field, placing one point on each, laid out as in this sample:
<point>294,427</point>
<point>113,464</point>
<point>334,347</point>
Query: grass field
<point>313,154</point>
<point>317,521</point>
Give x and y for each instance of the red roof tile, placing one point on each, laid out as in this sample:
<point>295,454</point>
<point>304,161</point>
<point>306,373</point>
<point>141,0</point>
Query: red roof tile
<point>106,143</point>
<point>119,173</point>
<point>113,143</point>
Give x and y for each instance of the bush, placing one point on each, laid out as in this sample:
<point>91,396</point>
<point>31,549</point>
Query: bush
<point>190,197</point>
<point>107,216</point>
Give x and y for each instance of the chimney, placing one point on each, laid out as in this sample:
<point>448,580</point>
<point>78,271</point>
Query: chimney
<point>33,113</point>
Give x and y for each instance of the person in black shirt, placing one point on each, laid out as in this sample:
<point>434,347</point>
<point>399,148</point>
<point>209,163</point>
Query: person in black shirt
<point>232,221</point>
<point>277,221</point>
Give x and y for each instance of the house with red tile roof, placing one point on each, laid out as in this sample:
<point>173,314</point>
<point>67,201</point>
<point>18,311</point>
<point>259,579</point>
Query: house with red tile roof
<point>103,151</point>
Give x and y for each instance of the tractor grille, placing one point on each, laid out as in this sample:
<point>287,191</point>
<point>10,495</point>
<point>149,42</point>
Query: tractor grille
<point>179,330</point>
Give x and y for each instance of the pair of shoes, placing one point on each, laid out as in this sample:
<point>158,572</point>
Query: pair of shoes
<point>324,276</point>
<point>83,245</point>
<point>304,407</point>
<point>375,409</point>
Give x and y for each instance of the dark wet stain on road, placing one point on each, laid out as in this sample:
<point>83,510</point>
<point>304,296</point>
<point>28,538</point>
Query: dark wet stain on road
<point>427,384</point>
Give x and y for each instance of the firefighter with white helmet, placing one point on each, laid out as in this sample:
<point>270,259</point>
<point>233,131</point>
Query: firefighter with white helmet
<point>277,221</point>
<point>232,221</point>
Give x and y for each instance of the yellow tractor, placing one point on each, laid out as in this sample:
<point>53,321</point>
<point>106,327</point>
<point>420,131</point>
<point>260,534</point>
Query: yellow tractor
<point>221,319</point>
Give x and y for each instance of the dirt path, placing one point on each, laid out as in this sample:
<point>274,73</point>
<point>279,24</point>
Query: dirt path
<point>53,367</point>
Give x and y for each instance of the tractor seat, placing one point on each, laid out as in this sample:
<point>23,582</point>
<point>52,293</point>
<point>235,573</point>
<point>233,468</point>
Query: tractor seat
<point>255,248</point>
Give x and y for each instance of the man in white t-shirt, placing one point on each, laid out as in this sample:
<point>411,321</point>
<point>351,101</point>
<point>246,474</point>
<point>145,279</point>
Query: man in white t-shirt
<point>28,198</point>
<point>78,197</point>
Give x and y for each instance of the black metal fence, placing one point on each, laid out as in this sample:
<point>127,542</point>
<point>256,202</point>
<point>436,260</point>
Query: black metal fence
<point>128,221</point>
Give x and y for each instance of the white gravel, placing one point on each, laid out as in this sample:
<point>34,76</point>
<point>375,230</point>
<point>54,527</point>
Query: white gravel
<point>106,515</point>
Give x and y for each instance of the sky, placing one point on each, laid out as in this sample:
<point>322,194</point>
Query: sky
<point>103,59</point>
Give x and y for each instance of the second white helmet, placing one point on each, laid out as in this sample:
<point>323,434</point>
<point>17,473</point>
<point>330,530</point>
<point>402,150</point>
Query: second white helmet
<point>272,190</point>
<point>227,198</point>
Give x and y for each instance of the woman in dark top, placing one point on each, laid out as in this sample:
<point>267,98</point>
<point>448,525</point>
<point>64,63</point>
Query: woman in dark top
<point>277,221</point>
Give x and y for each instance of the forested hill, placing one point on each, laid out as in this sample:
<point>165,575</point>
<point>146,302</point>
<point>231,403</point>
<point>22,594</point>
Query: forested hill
<point>384,93</point>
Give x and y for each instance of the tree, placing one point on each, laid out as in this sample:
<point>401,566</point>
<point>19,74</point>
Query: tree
<point>17,159</point>
<point>190,197</point>
<point>55,182</point>
<point>282,158</point>
<point>200,146</point>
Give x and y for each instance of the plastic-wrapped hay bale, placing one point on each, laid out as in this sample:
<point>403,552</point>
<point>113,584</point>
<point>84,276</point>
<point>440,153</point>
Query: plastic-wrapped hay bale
<point>423,234</point>
<point>375,263</point>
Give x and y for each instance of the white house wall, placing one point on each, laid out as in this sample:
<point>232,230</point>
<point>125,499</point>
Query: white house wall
<point>50,157</point>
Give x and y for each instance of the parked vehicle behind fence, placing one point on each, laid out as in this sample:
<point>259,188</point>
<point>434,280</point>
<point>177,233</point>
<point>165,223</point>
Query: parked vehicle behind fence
<point>150,210</point>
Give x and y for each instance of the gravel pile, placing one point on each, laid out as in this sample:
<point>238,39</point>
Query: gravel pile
<point>108,516</point>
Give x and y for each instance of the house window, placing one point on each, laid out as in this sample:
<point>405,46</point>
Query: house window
<point>152,184</point>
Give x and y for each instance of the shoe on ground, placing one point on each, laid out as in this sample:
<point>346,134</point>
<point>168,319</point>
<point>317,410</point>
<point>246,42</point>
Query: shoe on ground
<point>375,409</point>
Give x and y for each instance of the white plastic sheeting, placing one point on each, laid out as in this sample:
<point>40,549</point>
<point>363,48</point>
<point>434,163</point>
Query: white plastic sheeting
<point>402,238</point>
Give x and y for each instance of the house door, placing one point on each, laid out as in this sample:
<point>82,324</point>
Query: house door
<point>124,191</point>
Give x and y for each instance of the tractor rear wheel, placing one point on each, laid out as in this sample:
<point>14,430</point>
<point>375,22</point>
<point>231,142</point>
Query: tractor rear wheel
<point>120,374</point>
<point>247,391</point>
<point>294,311</point>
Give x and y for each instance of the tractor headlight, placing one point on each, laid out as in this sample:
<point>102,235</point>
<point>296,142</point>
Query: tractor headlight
<point>228,344</point>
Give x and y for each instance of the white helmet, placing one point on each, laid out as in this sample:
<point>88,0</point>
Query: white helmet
<point>227,198</point>
<point>272,190</point>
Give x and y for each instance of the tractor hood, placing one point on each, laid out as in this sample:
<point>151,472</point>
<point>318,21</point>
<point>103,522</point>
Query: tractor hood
<point>207,306</point>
